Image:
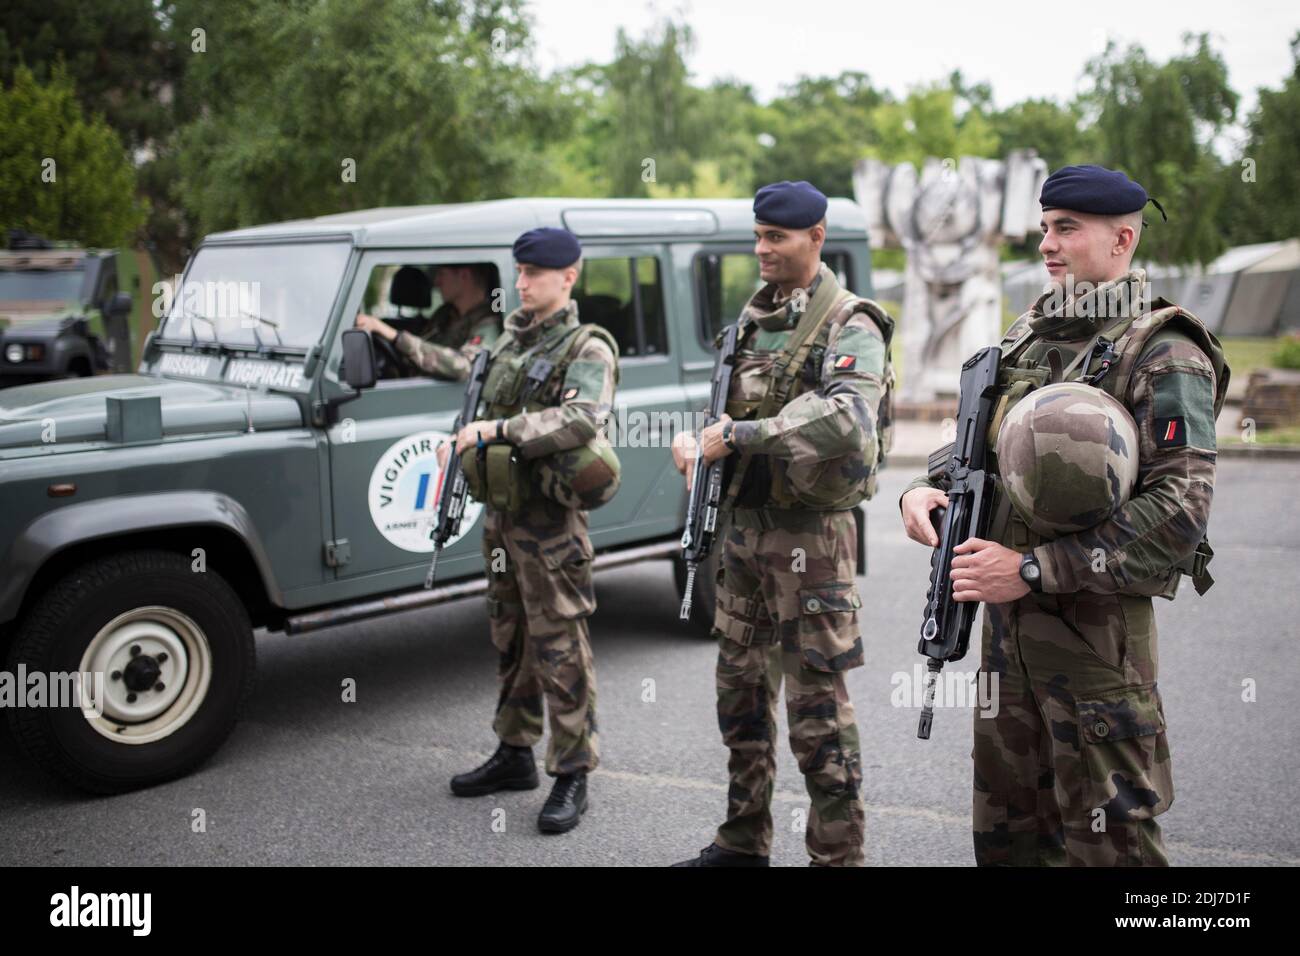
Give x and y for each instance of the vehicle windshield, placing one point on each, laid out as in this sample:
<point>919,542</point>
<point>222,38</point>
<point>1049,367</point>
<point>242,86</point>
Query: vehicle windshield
<point>62,285</point>
<point>273,295</point>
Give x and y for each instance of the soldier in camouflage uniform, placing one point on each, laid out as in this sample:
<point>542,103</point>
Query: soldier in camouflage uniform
<point>538,558</point>
<point>787,603</point>
<point>462,326</point>
<point>1075,766</point>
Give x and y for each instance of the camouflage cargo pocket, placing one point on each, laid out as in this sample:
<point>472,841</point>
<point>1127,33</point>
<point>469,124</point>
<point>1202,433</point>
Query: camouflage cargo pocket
<point>1125,754</point>
<point>574,594</point>
<point>828,627</point>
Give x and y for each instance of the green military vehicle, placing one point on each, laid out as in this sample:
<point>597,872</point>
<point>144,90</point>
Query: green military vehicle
<point>63,313</point>
<point>237,481</point>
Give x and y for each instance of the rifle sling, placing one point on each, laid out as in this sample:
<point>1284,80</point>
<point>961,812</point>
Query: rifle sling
<point>788,365</point>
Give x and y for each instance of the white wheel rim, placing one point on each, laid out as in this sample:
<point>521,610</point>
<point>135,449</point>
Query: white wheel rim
<point>156,667</point>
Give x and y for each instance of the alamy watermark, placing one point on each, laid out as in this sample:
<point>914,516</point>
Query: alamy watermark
<point>1092,300</point>
<point>952,689</point>
<point>39,689</point>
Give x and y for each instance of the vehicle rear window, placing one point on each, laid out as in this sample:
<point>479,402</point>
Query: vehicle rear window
<point>625,296</point>
<point>724,282</point>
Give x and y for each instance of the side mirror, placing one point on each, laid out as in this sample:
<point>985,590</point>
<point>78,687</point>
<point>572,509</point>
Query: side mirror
<point>119,307</point>
<point>358,359</point>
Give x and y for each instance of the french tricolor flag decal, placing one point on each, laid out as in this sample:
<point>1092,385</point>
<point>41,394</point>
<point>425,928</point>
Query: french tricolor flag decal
<point>1171,432</point>
<point>845,362</point>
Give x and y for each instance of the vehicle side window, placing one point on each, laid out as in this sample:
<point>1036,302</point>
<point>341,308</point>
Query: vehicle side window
<point>724,282</point>
<point>409,297</point>
<point>625,296</point>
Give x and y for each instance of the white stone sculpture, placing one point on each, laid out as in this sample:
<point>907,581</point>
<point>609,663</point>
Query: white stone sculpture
<point>950,222</point>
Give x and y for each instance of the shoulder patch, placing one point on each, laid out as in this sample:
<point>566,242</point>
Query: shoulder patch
<point>1171,432</point>
<point>859,348</point>
<point>570,394</point>
<point>1183,412</point>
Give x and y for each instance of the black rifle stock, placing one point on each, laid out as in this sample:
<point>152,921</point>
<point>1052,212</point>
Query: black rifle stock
<point>452,489</point>
<point>945,630</point>
<point>705,499</point>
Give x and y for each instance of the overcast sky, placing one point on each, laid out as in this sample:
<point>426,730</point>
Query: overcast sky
<point>1021,49</point>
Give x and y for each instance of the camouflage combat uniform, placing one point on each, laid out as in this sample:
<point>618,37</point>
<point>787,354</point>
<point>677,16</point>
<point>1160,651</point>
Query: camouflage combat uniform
<point>447,351</point>
<point>540,588</point>
<point>1075,767</point>
<point>787,604</point>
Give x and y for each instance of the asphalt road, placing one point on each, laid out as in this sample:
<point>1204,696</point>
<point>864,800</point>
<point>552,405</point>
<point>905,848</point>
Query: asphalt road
<point>307,778</point>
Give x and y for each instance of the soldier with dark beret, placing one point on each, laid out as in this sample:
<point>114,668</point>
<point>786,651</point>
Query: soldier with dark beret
<point>801,430</point>
<point>1074,767</point>
<point>549,390</point>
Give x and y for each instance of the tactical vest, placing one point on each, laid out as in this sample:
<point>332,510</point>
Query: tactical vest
<point>528,379</point>
<point>754,481</point>
<point>1108,359</point>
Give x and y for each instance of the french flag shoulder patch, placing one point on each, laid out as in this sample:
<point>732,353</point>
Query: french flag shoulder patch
<point>1171,432</point>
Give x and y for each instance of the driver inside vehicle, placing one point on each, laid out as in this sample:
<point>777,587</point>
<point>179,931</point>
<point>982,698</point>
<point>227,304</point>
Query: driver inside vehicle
<point>442,345</point>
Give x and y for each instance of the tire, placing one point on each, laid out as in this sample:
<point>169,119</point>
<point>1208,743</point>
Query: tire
<point>705,596</point>
<point>179,642</point>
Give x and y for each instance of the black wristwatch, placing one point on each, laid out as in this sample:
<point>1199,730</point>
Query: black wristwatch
<point>501,429</point>
<point>726,435</point>
<point>1031,573</point>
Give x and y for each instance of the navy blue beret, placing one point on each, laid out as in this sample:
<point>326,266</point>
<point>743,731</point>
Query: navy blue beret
<point>1094,189</point>
<point>547,247</point>
<point>798,205</point>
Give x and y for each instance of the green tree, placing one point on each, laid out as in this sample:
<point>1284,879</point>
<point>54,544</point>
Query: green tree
<point>63,174</point>
<point>124,65</point>
<point>318,107</point>
<point>1157,122</point>
<point>1261,188</point>
<point>1044,126</point>
<point>927,123</point>
<point>119,60</point>
<point>647,107</point>
<point>817,130</point>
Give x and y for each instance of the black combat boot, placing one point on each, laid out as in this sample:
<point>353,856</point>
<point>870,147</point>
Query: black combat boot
<point>714,855</point>
<point>566,804</point>
<point>510,768</point>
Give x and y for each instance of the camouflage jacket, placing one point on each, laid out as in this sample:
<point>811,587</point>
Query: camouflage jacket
<point>1172,391</point>
<point>831,412</point>
<point>448,347</point>
<point>585,398</point>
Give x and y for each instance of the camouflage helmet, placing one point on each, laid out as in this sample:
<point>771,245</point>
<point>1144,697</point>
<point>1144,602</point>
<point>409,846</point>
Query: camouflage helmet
<point>585,477</point>
<point>1068,457</point>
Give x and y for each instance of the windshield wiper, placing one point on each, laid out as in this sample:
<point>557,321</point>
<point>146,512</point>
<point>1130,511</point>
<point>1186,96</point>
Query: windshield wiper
<point>194,339</point>
<point>262,320</point>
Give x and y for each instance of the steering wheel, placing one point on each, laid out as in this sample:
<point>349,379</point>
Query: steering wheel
<point>388,363</point>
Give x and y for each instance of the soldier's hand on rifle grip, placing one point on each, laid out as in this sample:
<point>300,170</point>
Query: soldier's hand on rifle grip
<point>685,449</point>
<point>916,506</point>
<point>712,445</point>
<point>986,571</point>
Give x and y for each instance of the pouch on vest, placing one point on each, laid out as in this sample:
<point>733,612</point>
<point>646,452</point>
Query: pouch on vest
<point>497,476</point>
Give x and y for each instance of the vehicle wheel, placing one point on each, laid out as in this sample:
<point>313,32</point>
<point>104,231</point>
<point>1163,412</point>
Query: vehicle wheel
<point>176,652</point>
<point>705,596</point>
<point>78,368</point>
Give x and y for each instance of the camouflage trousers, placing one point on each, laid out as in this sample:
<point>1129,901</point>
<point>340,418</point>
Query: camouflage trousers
<point>787,608</point>
<point>540,594</point>
<point>1074,768</point>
